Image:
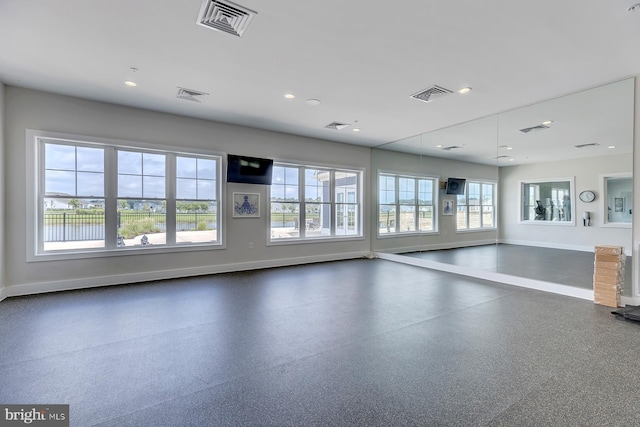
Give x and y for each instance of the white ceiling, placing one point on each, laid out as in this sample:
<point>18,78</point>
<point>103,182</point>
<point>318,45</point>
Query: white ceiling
<point>362,59</point>
<point>602,115</point>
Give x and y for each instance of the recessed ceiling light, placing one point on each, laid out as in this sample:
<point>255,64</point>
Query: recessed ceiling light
<point>509,148</point>
<point>511,160</point>
<point>356,129</point>
<point>464,90</point>
<point>439,146</point>
<point>130,83</point>
<point>547,122</point>
<point>312,102</point>
<point>289,95</point>
<point>611,146</point>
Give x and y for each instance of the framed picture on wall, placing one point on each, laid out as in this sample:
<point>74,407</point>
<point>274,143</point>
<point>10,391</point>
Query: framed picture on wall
<point>447,207</point>
<point>246,205</point>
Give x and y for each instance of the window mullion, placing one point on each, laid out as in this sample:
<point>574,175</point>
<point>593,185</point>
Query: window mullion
<point>302,225</point>
<point>396,184</point>
<point>333,204</point>
<point>170,198</point>
<point>416,204</point>
<point>111,198</point>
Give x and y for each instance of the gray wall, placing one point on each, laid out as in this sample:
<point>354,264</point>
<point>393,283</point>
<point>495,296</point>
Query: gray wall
<point>586,173</point>
<point>29,109</point>
<point>447,237</point>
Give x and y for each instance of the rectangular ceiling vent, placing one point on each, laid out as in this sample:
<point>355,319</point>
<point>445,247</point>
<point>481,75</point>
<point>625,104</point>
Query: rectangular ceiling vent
<point>225,16</point>
<point>503,157</point>
<point>534,128</point>
<point>591,144</point>
<point>337,125</point>
<point>190,94</point>
<point>432,93</point>
<point>451,147</point>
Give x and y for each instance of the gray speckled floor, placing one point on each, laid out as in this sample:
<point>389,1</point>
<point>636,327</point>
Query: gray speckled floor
<point>573,268</point>
<point>362,342</point>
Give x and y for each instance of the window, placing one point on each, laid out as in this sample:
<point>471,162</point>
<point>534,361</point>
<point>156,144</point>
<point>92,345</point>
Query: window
<point>98,195</point>
<point>476,207</point>
<point>617,200</point>
<point>405,204</point>
<point>309,202</point>
<point>547,201</point>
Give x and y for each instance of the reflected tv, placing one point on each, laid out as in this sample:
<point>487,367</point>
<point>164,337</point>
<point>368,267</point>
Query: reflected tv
<point>456,186</point>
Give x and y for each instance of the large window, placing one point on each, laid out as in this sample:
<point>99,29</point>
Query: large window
<point>405,204</point>
<point>547,201</point>
<point>476,207</point>
<point>309,202</point>
<point>96,196</point>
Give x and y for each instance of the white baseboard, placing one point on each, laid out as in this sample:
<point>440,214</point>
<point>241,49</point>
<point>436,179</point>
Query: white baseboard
<point>3,293</point>
<point>438,246</point>
<point>580,248</point>
<point>492,276</point>
<point>122,279</point>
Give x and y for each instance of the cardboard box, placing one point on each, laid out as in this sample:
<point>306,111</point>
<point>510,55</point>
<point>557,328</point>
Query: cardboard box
<point>607,292</point>
<point>605,272</point>
<point>606,296</point>
<point>605,286</point>
<point>607,265</point>
<point>608,281</point>
<point>608,303</point>
<point>609,250</point>
<point>611,258</point>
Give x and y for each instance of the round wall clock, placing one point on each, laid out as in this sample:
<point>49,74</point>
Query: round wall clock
<point>587,196</point>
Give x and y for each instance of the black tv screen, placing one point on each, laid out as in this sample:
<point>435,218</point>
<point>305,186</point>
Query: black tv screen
<point>249,170</point>
<point>456,185</point>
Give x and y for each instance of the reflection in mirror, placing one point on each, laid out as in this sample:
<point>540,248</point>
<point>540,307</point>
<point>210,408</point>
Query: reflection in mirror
<point>411,178</point>
<point>584,136</point>
<point>547,200</point>
<point>618,200</point>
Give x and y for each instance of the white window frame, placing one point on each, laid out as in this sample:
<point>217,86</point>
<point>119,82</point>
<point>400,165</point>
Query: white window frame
<point>572,193</point>
<point>603,202</point>
<point>482,228</point>
<point>35,140</point>
<point>332,169</point>
<point>396,176</point>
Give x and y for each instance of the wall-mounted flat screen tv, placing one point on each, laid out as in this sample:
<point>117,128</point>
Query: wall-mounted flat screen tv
<point>456,185</point>
<point>249,170</point>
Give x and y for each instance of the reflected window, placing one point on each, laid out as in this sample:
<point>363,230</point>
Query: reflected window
<point>405,204</point>
<point>547,201</point>
<point>618,200</point>
<point>475,209</point>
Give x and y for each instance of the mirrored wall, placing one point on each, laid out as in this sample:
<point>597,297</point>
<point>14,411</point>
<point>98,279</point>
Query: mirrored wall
<point>544,184</point>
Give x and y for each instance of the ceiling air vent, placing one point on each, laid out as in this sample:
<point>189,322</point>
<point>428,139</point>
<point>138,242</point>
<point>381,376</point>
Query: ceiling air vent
<point>225,16</point>
<point>337,125</point>
<point>434,92</point>
<point>503,157</point>
<point>190,95</point>
<point>534,128</point>
<point>451,147</point>
<point>591,144</point>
